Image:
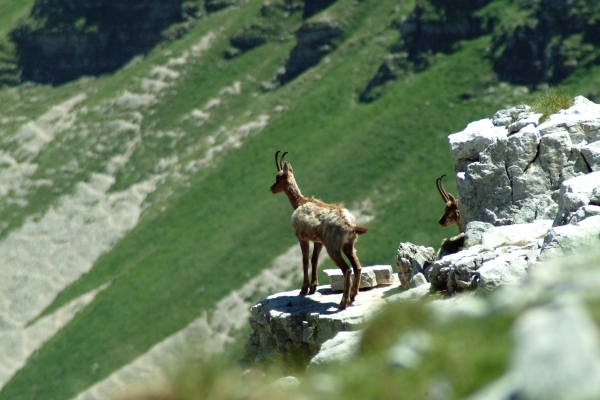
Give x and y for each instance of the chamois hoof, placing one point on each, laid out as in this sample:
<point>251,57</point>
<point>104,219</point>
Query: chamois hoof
<point>343,305</point>
<point>313,289</point>
<point>303,291</point>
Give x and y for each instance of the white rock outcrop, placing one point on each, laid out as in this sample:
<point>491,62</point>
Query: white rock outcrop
<point>529,192</point>
<point>509,169</point>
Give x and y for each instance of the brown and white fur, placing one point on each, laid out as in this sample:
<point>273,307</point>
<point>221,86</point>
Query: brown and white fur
<point>329,225</point>
<point>451,216</point>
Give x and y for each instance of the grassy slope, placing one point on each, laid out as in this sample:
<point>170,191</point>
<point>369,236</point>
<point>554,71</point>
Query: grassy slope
<point>226,223</point>
<point>10,12</point>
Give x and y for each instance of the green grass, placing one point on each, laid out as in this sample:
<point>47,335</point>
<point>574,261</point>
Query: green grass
<point>550,101</point>
<point>11,12</point>
<point>223,225</point>
<point>458,358</point>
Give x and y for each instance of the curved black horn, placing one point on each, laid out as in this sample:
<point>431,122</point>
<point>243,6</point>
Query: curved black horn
<point>282,157</point>
<point>440,187</point>
<point>277,161</point>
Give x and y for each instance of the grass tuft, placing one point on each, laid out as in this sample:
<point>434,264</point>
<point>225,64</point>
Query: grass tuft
<point>551,101</point>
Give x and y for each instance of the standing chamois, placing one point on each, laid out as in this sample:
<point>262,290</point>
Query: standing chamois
<point>451,216</point>
<point>329,225</point>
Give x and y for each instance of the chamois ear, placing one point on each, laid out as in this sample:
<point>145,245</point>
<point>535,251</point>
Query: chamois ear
<point>290,167</point>
<point>285,168</point>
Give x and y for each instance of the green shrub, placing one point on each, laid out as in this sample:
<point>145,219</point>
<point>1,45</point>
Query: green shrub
<point>551,101</point>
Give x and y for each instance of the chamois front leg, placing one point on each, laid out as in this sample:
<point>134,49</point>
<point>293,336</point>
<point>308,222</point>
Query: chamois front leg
<point>315,264</point>
<point>350,252</point>
<point>304,246</point>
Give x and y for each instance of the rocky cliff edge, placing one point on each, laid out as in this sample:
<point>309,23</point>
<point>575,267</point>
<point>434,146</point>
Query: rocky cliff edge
<point>529,194</point>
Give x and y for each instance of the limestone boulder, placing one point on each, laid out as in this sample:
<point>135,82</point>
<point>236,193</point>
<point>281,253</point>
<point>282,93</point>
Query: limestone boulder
<point>466,146</point>
<point>503,118</point>
<point>569,239</point>
<point>496,256</point>
<point>507,269</point>
<point>575,194</point>
<point>509,170</point>
<point>412,260</point>
<point>591,154</point>
<point>341,348</point>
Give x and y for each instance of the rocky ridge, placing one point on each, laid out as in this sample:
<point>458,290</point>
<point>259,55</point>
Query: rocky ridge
<point>529,193</point>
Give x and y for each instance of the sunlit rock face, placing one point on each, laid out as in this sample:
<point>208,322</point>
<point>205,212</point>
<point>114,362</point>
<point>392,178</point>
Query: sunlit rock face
<point>528,192</point>
<point>509,169</point>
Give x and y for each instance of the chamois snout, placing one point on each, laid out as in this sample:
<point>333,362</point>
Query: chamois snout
<point>451,214</point>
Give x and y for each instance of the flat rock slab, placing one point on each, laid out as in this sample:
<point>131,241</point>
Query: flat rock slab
<point>370,277</point>
<point>288,323</point>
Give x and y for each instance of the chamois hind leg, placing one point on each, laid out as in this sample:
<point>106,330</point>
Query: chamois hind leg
<point>336,257</point>
<point>315,263</point>
<point>304,246</point>
<point>350,252</point>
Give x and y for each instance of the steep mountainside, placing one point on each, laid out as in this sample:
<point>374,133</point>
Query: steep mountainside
<point>62,40</point>
<point>135,208</point>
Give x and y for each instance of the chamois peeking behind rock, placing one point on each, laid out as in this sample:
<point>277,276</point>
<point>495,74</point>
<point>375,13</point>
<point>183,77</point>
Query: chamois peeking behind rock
<point>329,225</point>
<point>451,216</point>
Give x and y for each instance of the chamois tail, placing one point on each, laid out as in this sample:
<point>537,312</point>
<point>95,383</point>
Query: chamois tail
<point>360,230</point>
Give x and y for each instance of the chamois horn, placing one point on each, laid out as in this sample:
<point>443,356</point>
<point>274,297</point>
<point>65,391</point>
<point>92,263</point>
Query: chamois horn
<point>440,187</point>
<point>277,160</point>
<point>282,157</point>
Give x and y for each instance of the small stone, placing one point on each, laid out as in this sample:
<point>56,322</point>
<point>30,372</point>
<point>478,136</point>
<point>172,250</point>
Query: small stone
<point>524,120</point>
<point>383,274</point>
<point>368,278</point>
<point>417,280</point>
<point>574,194</point>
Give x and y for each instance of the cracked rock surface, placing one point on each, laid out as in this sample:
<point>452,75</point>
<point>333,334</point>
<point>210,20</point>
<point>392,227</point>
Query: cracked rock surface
<point>509,169</point>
